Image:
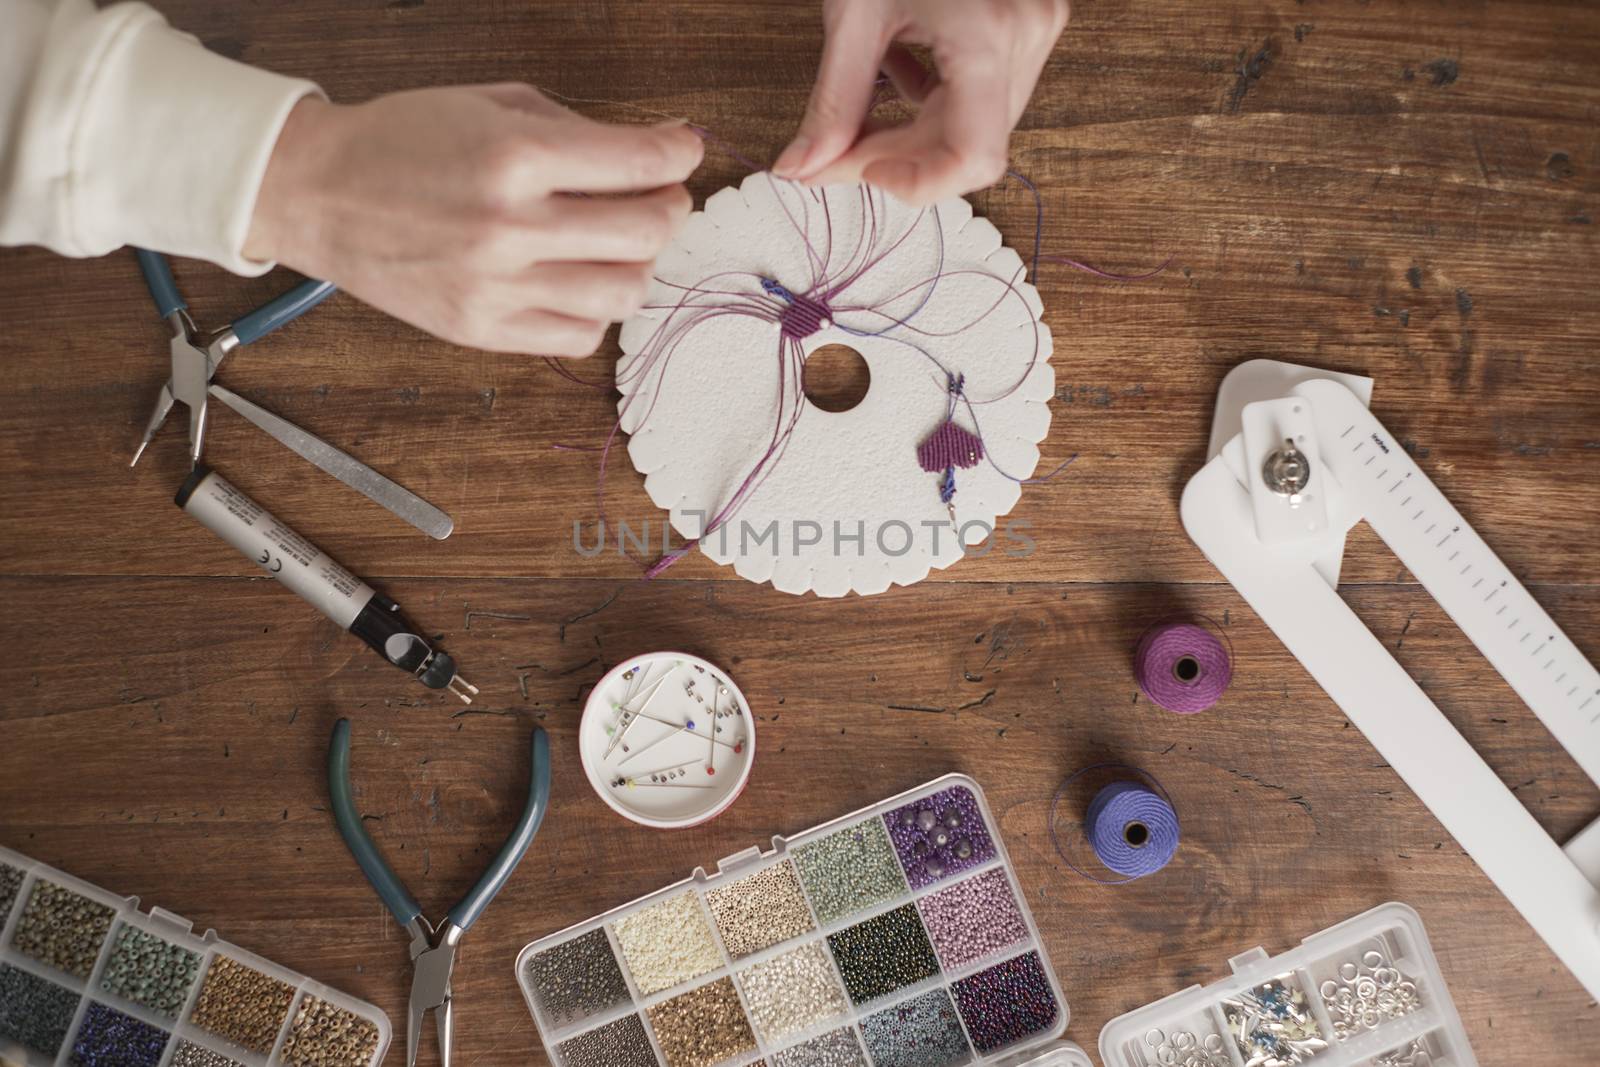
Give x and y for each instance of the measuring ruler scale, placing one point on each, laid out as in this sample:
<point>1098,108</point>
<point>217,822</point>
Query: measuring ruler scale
<point>1244,522</point>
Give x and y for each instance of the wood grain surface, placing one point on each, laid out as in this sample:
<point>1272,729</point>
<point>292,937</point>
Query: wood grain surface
<point>1407,190</point>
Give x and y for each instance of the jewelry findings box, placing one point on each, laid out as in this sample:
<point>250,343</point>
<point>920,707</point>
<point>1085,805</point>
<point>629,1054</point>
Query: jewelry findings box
<point>1365,993</point>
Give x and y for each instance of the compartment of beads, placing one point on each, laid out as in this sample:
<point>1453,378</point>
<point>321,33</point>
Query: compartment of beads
<point>87,978</point>
<point>895,936</point>
<point>1365,993</point>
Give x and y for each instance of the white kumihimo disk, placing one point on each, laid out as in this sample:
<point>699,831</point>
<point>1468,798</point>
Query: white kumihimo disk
<point>835,502</point>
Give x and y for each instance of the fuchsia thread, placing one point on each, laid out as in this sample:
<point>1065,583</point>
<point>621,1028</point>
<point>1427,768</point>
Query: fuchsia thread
<point>1182,666</point>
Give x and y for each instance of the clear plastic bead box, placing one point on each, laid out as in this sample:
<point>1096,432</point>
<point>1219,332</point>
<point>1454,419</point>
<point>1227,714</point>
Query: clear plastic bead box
<point>124,912</point>
<point>1365,993</point>
<point>950,855</point>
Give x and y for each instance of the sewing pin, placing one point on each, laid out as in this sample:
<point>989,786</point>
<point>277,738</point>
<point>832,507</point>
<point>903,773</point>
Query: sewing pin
<point>630,783</point>
<point>665,770</point>
<point>629,715</point>
<point>737,746</point>
<point>711,739</point>
<point>653,744</point>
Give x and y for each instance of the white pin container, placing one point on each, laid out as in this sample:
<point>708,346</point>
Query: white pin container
<point>1039,1049</point>
<point>1393,930</point>
<point>178,931</point>
<point>695,798</point>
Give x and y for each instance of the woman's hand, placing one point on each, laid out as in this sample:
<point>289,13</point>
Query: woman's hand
<point>988,55</point>
<point>453,209</point>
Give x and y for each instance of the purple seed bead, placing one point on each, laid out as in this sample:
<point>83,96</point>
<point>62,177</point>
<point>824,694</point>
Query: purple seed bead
<point>926,842</point>
<point>1007,1003</point>
<point>109,1038</point>
<point>973,919</point>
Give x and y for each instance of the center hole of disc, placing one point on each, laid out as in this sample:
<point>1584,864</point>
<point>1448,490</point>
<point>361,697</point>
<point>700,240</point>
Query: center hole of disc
<point>1136,834</point>
<point>835,378</point>
<point>1186,669</point>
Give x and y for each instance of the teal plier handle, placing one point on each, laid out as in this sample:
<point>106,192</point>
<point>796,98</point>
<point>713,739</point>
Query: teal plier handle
<point>158,279</point>
<point>401,904</point>
<point>281,310</point>
<point>249,327</point>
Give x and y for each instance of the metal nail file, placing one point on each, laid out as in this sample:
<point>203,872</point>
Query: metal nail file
<point>1276,553</point>
<point>357,475</point>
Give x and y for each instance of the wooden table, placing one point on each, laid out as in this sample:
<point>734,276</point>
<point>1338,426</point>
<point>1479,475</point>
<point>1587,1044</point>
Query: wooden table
<point>1408,191</point>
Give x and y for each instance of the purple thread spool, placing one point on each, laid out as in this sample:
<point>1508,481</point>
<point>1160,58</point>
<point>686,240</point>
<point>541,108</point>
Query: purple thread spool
<point>1182,666</point>
<point>1132,829</point>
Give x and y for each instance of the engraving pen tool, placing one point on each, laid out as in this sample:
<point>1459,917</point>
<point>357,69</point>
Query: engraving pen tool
<point>268,541</point>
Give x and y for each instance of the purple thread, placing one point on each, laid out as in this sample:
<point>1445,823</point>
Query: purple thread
<point>1132,829</point>
<point>1153,786</point>
<point>1182,666</point>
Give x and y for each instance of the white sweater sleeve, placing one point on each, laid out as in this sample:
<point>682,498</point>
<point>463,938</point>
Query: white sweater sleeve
<point>117,129</point>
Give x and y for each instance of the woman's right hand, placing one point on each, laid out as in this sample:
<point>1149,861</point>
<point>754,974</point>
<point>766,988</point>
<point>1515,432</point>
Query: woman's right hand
<point>455,210</point>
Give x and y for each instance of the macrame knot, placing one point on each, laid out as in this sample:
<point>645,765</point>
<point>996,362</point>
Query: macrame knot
<point>950,446</point>
<point>803,316</point>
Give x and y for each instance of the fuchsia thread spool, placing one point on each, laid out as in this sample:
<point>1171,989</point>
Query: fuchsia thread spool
<point>1183,667</point>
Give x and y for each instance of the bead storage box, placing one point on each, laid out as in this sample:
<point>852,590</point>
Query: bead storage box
<point>88,980</point>
<point>896,936</point>
<point>1365,993</point>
